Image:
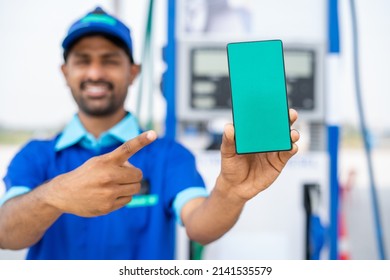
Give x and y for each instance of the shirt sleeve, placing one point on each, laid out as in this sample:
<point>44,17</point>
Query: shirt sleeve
<point>14,192</point>
<point>26,171</point>
<point>183,197</point>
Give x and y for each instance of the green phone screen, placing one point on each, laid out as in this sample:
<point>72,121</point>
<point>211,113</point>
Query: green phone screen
<point>259,97</point>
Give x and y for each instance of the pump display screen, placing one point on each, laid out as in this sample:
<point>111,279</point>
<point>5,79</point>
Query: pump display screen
<point>210,87</point>
<point>299,64</point>
<point>210,62</point>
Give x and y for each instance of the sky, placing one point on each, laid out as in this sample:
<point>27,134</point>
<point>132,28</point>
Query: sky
<point>33,93</point>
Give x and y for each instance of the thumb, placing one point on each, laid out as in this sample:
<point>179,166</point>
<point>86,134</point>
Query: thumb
<point>129,148</point>
<point>228,143</point>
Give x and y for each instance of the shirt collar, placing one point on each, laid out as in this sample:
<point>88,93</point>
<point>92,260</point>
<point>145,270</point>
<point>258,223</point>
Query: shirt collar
<point>75,132</point>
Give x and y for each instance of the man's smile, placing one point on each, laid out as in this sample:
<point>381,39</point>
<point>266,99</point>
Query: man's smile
<point>96,90</point>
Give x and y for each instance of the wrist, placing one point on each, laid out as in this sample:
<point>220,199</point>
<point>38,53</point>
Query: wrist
<point>48,195</point>
<point>228,191</point>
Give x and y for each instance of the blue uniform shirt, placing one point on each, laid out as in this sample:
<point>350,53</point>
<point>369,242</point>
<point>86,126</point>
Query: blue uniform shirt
<point>143,229</point>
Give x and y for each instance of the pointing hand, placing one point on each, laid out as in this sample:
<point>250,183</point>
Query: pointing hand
<point>103,183</point>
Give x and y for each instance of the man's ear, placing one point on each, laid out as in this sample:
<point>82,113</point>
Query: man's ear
<point>135,69</point>
<point>64,70</point>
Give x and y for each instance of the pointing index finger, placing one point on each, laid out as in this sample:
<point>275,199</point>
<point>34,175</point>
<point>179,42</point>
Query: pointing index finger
<point>129,148</point>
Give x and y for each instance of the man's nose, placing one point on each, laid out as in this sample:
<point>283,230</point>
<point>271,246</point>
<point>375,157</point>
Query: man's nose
<point>95,71</point>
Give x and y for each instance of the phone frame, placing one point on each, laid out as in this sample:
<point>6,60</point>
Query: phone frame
<point>285,90</point>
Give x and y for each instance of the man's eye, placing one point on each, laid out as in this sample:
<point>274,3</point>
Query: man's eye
<point>81,62</point>
<point>111,62</point>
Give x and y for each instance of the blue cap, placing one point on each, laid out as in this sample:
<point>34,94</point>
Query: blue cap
<point>98,22</point>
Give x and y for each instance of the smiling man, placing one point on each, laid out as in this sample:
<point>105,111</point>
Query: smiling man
<point>104,189</point>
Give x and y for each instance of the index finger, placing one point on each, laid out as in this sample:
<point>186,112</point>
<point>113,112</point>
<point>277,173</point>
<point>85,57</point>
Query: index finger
<point>129,148</point>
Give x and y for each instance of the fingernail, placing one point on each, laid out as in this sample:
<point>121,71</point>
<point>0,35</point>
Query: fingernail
<point>151,135</point>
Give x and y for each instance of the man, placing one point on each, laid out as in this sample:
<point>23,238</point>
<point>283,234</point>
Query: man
<point>91,193</point>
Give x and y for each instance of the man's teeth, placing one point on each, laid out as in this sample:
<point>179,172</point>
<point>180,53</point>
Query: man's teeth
<point>96,89</point>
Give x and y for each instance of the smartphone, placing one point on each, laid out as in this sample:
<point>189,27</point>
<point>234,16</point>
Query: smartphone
<point>259,97</point>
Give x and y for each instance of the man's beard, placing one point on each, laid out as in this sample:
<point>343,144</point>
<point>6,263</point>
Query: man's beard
<point>110,108</point>
<point>112,104</point>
